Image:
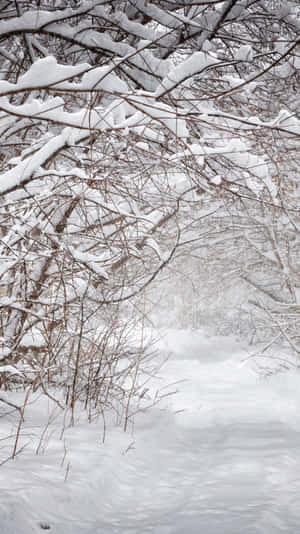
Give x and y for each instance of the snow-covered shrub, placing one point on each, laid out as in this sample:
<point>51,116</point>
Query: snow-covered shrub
<point>131,131</point>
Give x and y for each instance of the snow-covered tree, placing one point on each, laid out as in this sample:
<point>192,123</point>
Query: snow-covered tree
<point>118,120</point>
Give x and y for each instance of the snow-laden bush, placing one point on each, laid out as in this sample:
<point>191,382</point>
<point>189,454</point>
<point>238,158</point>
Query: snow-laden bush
<point>129,131</point>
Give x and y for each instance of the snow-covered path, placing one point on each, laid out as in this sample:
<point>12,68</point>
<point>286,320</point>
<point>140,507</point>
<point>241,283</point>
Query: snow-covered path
<point>220,457</point>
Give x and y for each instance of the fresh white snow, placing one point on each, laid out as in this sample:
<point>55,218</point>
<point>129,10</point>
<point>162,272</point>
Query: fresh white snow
<point>219,457</point>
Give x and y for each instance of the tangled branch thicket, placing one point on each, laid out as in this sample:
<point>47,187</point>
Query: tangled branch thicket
<point>131,131</point>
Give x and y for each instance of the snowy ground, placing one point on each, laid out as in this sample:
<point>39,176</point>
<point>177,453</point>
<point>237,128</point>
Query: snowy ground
<point>220,457</point>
